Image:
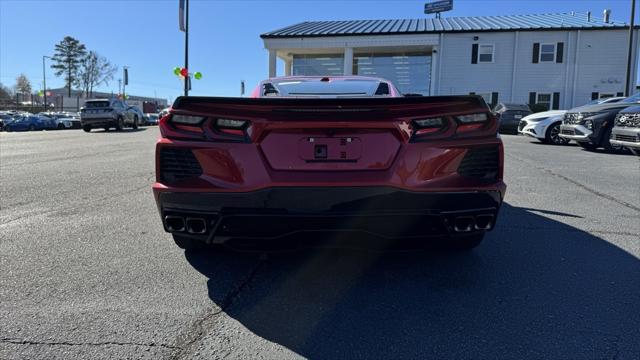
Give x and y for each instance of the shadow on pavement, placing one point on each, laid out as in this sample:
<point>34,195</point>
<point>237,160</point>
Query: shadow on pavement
<point>534,288</point>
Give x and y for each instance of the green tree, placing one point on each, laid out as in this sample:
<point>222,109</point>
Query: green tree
<point>67,58</point>
<point>23,85</point>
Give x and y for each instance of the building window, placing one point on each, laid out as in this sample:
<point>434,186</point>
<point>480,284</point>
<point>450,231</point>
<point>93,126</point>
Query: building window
<point>318,65</point>
<point>544,99</point>
<point>547,52</point>
<point>410,72</point>
<point>485,53</point>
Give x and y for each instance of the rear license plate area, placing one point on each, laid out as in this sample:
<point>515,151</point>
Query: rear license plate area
<point>330,149</point>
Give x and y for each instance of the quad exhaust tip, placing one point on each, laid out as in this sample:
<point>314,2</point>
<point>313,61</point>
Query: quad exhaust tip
<point>470,223</point>
<point>196,226</point>
<point>174,223</point>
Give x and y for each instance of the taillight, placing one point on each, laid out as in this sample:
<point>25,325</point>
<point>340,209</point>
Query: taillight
<point>428,126</point>
<point>470,122</point>
<point>178,126</point>
<point>231,126</point>
<point>187,120</point>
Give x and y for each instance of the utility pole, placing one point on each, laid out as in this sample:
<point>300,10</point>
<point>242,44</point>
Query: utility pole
<point>44,81</point>
<point>186,48</point>
<point>631,22</point>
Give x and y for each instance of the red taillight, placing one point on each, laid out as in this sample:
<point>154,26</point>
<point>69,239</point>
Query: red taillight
<point>469,127</point>
<point>179,126</point>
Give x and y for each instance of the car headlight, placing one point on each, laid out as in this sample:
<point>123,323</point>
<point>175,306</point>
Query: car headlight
<point>588,124</point>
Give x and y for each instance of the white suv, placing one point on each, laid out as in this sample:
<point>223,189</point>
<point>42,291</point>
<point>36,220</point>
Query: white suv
<point>105,114</point>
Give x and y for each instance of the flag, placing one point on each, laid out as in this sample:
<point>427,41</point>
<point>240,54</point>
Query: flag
<point>181,15</point>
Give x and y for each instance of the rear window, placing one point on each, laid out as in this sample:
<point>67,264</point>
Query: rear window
<point>96,104</point>
<point>347,88</point>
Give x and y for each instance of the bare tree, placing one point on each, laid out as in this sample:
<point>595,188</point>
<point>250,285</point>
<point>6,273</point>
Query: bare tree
<point>23,85</point>
<point>67,58</point>
<point>5,92</point>
<point>94,70</point>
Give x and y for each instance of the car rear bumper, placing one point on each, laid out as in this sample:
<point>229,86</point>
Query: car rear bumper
<point>627,137</point>
<point>279,211</point>
<point>98,122</point>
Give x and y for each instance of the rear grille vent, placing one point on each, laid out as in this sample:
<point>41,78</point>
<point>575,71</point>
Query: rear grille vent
<point>480,163</point>
<point>178,164</point>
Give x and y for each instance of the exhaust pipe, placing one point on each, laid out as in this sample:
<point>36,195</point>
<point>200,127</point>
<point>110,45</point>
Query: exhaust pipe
<point>463,223</point>
<point>484,222</point>
<point>174,223</point>
<point>196,226</point>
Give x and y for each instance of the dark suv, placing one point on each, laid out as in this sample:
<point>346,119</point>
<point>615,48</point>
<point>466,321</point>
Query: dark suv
<point>626,130</point>
<point>591,125</point>
<point>107,113</point>
<point>510,116</point>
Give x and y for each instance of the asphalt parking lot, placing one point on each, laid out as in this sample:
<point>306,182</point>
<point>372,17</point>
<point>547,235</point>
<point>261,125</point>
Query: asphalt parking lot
<point>88,272</point>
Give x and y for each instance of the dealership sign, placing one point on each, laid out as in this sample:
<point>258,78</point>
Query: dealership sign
<point>438,6</point>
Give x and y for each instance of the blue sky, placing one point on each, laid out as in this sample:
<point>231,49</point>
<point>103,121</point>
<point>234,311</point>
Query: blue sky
<point>224,35</point>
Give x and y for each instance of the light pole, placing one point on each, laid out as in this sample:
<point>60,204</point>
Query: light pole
<point>44,80</point>
<point>628,79</point>
<point>186,48</point>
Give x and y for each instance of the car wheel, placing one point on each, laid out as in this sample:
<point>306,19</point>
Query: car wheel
<point>119,124</point>
<point>635,152</point>
<point>60,126</point>
<point>553,135</point>
<point>462,243</point>
<point>32,128</point>
<point>86,128</point>
<point>608,146</point>
<point>135,122</point>
<point>106,128</point>
<point>188,243</point>
<point>587,146</point>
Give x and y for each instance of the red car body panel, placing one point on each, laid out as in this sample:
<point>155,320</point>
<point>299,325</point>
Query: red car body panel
<point>301,143</point>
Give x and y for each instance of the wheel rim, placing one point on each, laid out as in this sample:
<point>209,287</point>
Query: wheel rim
<point>555,135</point>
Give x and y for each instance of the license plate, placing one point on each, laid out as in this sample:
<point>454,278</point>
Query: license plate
<point>330,149</point>
<point>517,116</point>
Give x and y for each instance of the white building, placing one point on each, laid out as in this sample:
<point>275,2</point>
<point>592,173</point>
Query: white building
<point>562,60</point>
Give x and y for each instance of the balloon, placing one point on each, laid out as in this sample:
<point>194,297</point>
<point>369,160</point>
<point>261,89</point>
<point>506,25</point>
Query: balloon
<point>184,72</point>
<point>197,75</point>
<point>40,93</point>
<point>176,70</point>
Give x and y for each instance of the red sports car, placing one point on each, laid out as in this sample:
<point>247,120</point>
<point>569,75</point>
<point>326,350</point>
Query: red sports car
<point>328,154</point>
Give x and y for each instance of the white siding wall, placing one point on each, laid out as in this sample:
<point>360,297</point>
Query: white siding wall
<point>601,65</point>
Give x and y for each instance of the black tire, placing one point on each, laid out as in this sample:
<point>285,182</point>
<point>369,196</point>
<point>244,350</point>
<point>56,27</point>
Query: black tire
<point>60,126</point>
<point>462,243</point>
<point>135,123</point>
<point>608,146</point>
<point>106,128</point>
<point>86,128</point>
<point>32,128</point>
<point>188,243</point>
<point>552,135</point>
<point>587,146</point>
<point>119,124</point>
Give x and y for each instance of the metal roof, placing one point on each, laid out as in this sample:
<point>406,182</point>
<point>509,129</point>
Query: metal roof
<point>562,21</point>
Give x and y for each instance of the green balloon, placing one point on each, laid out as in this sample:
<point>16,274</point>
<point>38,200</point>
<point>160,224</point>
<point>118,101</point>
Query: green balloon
<point>176,70</point>
<point>197,75</point>
<point>40,93</point>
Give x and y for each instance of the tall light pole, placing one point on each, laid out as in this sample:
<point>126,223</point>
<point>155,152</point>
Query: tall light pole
<point>186,48</point>
<point>628,80</point>
<point>44,80</point>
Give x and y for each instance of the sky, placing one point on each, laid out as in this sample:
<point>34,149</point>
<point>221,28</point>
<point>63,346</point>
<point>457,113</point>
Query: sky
<point>224,36</point>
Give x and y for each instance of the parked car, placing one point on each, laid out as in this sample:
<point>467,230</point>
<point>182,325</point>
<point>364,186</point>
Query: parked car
<point>106,114</point>
<point>510,115</point>
<point>152,118</point>
<point>331,154</point>
<point>591,125</point>
<point>30,123</point>
<point>626,130</point>
<point>136,114</point>
<point>545,126</point>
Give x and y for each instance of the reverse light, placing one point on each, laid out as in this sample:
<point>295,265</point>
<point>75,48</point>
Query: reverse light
<point>230,124</point>
<point>428,126</point>
<point>187,120</point>
<point>472,118</point>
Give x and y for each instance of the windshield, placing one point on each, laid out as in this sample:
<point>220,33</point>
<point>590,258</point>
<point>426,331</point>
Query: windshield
<point>349,88</point>
<point>632,99</point>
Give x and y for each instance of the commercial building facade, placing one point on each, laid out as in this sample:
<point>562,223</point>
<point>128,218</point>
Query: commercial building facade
<point>559,60</point>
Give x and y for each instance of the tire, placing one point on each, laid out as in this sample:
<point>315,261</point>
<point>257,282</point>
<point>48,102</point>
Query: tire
<point>106,128</point>
<point>135,123</point>
<point>119,124</point>
<point>187,243</point>
<point>86,128</point>
<point>463,243</point>
<point>587,146</point>
<point>552,136</point>
<point>608,146</point>
<point>635,152</point>
<point>60,127</point>
<point>32,128</point>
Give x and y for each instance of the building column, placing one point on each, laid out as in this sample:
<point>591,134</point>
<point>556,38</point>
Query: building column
<point>433,77</point>
<point>272,63</point>
<point>348,61</point>
<point>287,67</point>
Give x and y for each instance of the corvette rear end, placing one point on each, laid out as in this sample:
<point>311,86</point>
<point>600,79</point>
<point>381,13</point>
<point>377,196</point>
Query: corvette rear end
<point>268,167</point>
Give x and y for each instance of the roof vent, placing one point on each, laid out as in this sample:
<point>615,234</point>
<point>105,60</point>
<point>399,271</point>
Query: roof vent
<point>588,15</point>
<point>605,15</point>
